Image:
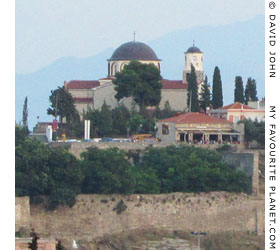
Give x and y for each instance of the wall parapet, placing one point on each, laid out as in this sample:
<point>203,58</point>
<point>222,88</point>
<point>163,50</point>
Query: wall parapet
<point>95,215</point>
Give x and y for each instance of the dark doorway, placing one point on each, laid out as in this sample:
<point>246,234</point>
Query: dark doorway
<point>213,138</point>
<point>197,138</point>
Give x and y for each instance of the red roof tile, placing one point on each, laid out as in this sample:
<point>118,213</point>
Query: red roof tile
<point>82,99</point>
<point>194,118</point>
<point>236,105</point>
<point>173,84</point>
<point>77,84</point>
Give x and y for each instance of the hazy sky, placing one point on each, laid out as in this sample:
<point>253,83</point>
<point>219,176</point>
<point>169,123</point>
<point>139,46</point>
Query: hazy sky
<point>49,29</point>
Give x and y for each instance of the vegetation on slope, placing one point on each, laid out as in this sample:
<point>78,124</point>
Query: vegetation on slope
<point>41,170</point>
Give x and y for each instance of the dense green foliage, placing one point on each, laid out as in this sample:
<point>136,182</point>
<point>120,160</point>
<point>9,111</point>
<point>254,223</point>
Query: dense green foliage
<point>140,81</point>
<point>251,90</point>
<point>62,105</point>
<point>123,122</point>
<point>21,133</point>
<point>192,91</point>
<point>191,169</point>
<point>217,95</point>
<point>41,170</point>
<point>25,113</point>
<point>108,171</point>
<point>205,95</point>
<point>239,90</point>
<point>254,130</point>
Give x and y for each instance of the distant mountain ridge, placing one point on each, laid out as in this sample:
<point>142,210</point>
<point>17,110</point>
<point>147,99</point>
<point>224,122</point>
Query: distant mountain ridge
<point>237,49</point>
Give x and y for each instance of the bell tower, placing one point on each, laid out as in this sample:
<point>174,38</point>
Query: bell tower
<point>193,56</point>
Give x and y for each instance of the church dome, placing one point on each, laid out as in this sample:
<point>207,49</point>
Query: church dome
<point>134,51</point>
<point>194,49</point>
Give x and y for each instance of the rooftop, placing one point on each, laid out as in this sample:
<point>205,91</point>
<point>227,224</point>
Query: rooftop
<point>79,84</point>
<point>173,84</point>
<point>134,51</point>
<point>196,118</point>
<point>236,105</point>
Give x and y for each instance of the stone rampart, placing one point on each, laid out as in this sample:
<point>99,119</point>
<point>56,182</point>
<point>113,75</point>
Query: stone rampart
<point>76,148</point>
<point>22,213</point>
<point>96,215</point>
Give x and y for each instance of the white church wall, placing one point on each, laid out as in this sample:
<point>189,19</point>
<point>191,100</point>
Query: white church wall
<point>81,93</point>
<point>117,66</point>
<point>177,98</point>
<point>83,107</point>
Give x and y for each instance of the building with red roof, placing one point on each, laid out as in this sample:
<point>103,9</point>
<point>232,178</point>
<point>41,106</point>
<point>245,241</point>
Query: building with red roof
<point>199,128</point>
<point>239,111</point>
<point>92,93</point>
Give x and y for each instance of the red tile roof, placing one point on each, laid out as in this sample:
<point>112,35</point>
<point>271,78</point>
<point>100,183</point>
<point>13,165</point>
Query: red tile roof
<point>236,105</point>
<point>82,99</point>
<point>173,84</point>
<point>194,118</point>
<point>77,84</point>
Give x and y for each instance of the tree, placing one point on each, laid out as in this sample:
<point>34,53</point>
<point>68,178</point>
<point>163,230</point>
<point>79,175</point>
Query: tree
<point>165,112</point>
<point>217,94</point>
<point>141,81</point>
<point>192,91</point>
<point>107,171</point>
<point>191,169</point>
<point>41,170</point>
<point>135,123</point>
<point>62,104</point>
<point>239,90</point>
<point>101,122</point>
<point>21,133</point>
<point>105,122</point>
<point>25,113</point>
<point>205,100</point>
<point>120,116</point>
<point>251,90</point>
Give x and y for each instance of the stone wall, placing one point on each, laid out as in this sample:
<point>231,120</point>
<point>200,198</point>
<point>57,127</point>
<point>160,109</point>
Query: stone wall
<point>76,148</point>
<point>95,215</point>
<point>22,213</point>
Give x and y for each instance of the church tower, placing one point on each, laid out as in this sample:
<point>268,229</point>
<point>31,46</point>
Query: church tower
<point>193,56</point>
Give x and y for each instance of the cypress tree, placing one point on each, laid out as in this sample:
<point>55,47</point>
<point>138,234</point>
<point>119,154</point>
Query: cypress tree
<point>25,113</point>
<point>251,90</point>
<point>192,91</point>
<point>205,95</point>
<point>239,90</point>
<point>217,97</point>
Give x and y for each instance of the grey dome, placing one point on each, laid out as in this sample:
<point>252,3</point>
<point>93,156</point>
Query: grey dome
<point>134,51</point>
<point>194,49</point>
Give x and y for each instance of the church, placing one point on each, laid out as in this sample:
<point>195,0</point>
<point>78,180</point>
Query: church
<point>92,94</point>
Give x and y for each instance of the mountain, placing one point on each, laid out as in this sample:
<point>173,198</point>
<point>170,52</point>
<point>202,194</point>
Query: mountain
<point>237,49</point>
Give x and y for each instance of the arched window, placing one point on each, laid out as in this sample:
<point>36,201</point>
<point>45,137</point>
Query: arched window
<point>115,68</point>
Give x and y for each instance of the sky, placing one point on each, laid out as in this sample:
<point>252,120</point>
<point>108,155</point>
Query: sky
<point>47,30</point>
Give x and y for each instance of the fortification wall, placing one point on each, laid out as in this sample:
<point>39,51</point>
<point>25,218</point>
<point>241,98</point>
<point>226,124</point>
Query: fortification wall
<point>76,148</point>
<point>22,213</point>
<point>95,215</point>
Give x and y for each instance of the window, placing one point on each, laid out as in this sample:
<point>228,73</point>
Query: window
<point>165,129</point>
